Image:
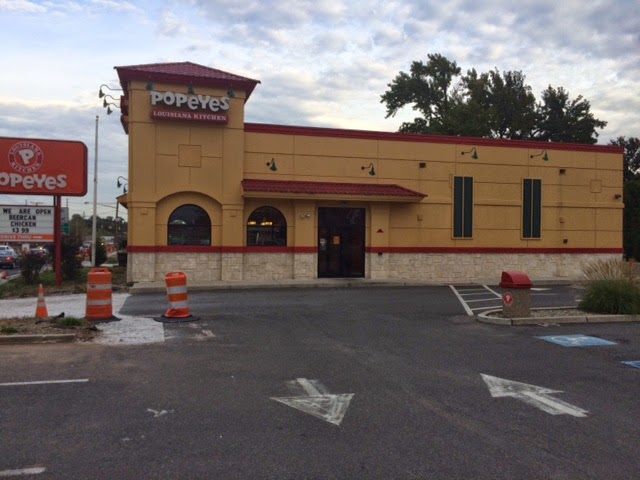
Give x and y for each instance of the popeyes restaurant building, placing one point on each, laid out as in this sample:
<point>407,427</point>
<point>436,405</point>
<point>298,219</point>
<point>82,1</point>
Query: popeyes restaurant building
<point>225,200</point>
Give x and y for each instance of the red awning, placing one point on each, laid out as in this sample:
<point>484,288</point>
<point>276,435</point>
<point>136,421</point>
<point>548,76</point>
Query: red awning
<point>329,190</point>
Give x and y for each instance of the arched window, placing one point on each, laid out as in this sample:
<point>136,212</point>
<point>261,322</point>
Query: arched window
<point>266,227</point>
<point>189,225</point>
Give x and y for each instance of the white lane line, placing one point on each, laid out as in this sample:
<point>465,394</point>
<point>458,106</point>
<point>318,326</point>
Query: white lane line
<point>22,471</point>
<point>43,382</point>
<point>493,291</point>
<point>492,299</point>
<point>464,304</point>
<point>490,307</point>
<point>483,292</point>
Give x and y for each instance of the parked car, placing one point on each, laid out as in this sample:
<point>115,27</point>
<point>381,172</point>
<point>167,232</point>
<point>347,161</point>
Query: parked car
<point>40,251</point>
<point>8,257</point>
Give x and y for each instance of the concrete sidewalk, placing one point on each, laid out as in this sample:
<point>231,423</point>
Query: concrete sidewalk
<point>159,286</point>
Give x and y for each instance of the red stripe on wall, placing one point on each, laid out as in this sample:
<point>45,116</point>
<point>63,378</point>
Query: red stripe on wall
<point>490,250</point>
<point>405,250</point>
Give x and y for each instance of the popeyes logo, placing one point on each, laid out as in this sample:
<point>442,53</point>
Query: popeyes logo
<point>39,167</point>
<point>195,108</point>
<point>26,157</point>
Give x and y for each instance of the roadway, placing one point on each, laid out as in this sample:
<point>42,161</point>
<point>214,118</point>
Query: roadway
<point>388,383</point>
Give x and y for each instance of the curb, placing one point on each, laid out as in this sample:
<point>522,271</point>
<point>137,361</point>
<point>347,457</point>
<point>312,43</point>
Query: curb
<point>523,321</point>
<point>28,339</point>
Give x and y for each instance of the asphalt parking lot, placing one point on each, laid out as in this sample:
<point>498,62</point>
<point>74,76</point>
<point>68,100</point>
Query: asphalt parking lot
<point>329,383</point>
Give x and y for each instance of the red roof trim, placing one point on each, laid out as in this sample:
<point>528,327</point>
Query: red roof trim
<point>292,186</point>
<point>420,138</point>
<point>185,73</point>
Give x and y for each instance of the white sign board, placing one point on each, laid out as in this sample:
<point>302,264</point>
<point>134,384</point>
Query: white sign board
<point>23,223</point>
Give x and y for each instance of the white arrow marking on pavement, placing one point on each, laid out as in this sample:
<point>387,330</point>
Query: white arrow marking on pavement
<point>318,401</point>
<point>538,289</point>
<point>538,397</point>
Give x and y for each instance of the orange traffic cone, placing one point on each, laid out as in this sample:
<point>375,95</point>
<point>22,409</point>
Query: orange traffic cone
<point>4,275</point>
<point>41,309</point>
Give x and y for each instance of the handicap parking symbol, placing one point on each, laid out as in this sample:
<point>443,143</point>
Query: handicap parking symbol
<point>576,340</point>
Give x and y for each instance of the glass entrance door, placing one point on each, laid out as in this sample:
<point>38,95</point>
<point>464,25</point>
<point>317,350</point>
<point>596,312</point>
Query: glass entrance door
<point>341,242</point>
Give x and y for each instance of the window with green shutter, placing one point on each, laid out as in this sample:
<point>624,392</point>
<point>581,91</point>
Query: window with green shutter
<point>462,207</point>
<point>531,208</point>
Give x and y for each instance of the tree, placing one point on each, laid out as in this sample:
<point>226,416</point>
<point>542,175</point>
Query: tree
<point>506,102</point>
<point>487,104</point>
<point>428,88</point>
<point>563,120</point>
<point>78,226</point>
<point>631,156</point>
<point>631,195</point>
<point>631,219</point>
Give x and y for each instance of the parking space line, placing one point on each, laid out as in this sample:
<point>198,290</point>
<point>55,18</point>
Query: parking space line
<point>492,299</point>
<point>43,382</point>
<point>463,293</point>
<point>464,304</point>
<point>22,471</point>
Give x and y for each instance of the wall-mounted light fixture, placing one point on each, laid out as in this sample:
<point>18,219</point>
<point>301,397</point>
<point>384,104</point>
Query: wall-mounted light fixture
<point>617,196</point>
<point>272,165</point>
<point>108,105</point>
<point>544,155</point>
<point>231,93</point>
<point>190,90</point>
<point>473,152</point>
<point>372,171</point>
<point>563,171</point>
<point>102,94</point>
<point>122,183</point>
<point>422,165</point>
<point>149,85</point>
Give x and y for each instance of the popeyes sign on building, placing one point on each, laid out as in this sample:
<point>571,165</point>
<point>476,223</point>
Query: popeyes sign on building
<point>198,108</point>
<point>43,167</point>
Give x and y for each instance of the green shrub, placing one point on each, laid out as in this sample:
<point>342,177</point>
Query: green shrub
<point>619,296</point>
<point>71,261</point>
<point>31,267</point>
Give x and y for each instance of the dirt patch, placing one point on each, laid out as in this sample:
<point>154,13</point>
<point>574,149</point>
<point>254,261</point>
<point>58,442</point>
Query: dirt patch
<point>84,332</point>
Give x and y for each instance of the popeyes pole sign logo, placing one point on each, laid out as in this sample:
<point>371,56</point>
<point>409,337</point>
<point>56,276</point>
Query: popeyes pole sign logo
<point>195,108</point>
<point>43,167</point>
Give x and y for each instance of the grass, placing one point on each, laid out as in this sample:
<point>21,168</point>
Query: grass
<point>612,287</point>
<point>18,289</point>
<point>69,322</point>
<point>611,270</point>
<point>8,331</point>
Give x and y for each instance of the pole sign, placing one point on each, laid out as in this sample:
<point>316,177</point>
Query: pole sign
<point>22,223</point>
<point>31,166</point>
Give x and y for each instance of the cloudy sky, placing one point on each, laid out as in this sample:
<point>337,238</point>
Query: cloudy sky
<point>321,63</point>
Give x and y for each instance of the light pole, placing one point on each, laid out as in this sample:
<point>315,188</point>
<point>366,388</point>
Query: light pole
<point>95,199</point>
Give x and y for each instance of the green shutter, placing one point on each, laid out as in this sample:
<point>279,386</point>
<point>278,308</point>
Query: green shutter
<point>526,208</point>
<point>536,209</point>
<point>457,206</point>
<point>468,207</point>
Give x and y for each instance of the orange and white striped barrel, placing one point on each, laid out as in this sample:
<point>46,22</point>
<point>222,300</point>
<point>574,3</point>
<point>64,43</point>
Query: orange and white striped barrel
<point>176,283</point>
<point>99,305</point>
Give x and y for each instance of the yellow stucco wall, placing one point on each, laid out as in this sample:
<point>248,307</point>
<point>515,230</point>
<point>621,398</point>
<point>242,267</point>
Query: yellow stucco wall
<point>174,163</point>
